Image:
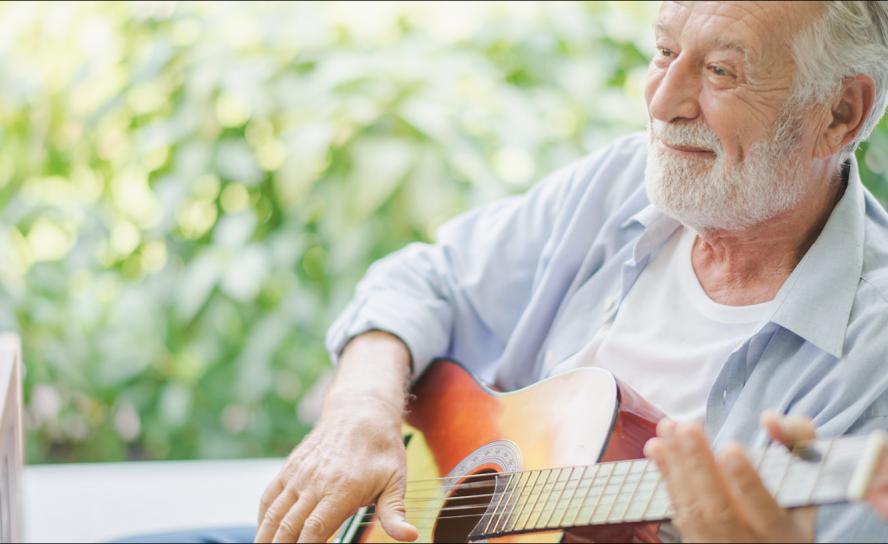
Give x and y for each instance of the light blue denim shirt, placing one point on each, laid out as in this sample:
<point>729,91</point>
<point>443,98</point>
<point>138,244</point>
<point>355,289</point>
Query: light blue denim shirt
<point>514,287</point>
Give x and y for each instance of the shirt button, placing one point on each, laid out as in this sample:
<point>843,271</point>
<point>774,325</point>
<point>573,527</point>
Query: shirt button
<point>724,394</point>
<point>550,357</point>
<point>609,303</point>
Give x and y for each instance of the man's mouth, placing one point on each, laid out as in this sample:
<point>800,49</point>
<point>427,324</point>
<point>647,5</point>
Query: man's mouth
<point>687,150</point>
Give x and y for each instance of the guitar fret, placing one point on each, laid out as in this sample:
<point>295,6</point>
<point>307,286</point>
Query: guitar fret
<point>549,493</point>
<point>647,504</point>
<point>572,496</point>
<point>836,476</point>
<point>633,491</point>
<point>661,504</point>
<point>595,470</point>
<point>532,510</point>
<point>797,484</point>
<point>769,470</point>
<point>789,461</point>
<point>493,513</point>
<point>539,515</point>
<point>592,494</point>
<point>497,513</point>
<point>618,493</point>
<point>623,516</point>
<point>820,470</point>
<point>641,494</point>
<point>520,518</point>
<point>601,495</point>
<point>555,506</point>
<point>518,502</point>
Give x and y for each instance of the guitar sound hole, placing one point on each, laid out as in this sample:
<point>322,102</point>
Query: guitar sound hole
<point>464,507</point>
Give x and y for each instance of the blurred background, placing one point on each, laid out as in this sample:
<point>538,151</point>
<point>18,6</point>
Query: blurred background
<point>189,192</point>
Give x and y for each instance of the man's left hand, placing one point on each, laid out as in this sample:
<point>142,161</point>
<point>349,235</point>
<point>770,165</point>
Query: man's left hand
<point>720,498</point>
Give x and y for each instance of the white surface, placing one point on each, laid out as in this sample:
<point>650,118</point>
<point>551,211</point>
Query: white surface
<point>669,340</point>
<point>100,502</point>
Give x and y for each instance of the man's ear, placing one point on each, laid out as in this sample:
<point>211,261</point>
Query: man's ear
<point>847,115</point>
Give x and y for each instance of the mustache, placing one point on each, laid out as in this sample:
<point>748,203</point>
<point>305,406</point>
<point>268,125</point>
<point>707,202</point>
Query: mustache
<point>697,135</point>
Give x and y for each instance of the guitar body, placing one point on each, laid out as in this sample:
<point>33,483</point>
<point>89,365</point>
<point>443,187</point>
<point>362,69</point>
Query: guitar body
<point>460,432</point>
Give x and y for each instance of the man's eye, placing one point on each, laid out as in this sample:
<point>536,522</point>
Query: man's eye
<point>665,52</point>
<point>719,71</point>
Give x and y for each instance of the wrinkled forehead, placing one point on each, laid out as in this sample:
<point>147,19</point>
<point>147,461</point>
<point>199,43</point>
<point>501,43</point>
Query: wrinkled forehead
<point>762,30</point>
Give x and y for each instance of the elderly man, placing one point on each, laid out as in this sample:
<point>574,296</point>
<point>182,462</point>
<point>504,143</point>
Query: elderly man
<point>727,263</point>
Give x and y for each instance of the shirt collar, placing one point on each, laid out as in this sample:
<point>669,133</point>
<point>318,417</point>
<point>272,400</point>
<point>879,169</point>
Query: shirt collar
<point>815,300</point>
<point>817,297</point>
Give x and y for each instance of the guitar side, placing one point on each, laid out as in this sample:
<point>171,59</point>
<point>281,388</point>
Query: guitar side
<point>458,429</point>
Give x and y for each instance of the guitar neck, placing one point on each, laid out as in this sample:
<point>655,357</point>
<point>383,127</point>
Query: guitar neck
<point>819,472</point>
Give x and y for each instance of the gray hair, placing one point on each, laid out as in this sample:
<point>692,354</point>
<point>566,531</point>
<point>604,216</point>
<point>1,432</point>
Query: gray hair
<point>849,38</point>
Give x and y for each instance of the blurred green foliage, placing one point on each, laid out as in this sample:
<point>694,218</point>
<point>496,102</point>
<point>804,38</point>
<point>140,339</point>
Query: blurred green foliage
<point>189,192</point>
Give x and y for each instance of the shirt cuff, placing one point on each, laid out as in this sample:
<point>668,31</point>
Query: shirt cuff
<point>420,330</point>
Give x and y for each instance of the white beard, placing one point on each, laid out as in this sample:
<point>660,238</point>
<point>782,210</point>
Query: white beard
<point>703,193</point>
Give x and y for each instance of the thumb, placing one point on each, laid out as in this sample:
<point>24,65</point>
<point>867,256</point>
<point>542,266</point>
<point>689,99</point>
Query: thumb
<point>391,513</point>
<point>788,429</point>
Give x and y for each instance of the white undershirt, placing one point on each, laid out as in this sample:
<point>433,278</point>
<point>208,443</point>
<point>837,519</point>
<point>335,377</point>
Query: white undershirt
<point>669,340</point>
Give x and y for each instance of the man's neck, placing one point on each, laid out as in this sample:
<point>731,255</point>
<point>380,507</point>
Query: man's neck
<point>749,266</point>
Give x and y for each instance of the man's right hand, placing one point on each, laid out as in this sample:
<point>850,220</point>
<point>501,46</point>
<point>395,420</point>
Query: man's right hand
<point>354,457</point>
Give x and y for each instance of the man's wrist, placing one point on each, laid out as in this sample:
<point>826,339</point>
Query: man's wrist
<point>366,402</point>
<point>374,370</point>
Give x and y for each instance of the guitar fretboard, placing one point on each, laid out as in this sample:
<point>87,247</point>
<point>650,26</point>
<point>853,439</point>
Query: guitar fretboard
<point>819,472</point>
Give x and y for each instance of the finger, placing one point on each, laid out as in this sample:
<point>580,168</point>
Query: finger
<point>693,465</point>
<point>759,507</point>
<point>291,524</point>
<point>327,516</point>
<point>788,429</point>
<point>391,512</point>
<point>275,513</point>
<point>663,453</point>
<point>665,427</point>
<point>269,495</point>
<point>663,450</point>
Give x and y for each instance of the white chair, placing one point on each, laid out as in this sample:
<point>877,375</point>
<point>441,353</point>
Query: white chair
<point>10,439</point>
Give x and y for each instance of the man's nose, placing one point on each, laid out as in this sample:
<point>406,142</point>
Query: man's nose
<point>676,96</point>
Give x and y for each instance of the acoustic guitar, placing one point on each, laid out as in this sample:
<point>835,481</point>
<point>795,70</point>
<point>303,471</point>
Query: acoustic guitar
<point>562,461</point>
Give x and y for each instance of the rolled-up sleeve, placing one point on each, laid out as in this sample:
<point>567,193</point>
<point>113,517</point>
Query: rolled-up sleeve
<point>477,277</point>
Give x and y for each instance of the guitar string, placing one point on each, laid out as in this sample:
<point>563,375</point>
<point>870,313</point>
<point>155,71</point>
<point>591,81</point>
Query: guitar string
<point>544,510</point>
<point>568,485</point>
<point>489,477</point>
<point>410,495</point>
<point>601,494</point>
<point>478,516</point>
<point>834,446</point>
<point>482,508</point>
<point>847,445</point>
<point>604,492</point>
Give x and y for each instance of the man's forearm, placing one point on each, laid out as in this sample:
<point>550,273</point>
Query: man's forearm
<point>374,366</point>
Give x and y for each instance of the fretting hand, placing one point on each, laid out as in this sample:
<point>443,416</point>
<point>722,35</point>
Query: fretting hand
<point>720,497</point>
